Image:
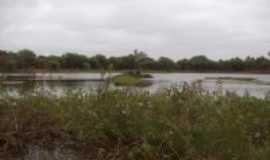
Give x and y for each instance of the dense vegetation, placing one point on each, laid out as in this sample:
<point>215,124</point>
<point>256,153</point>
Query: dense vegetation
<point>27,60</point>
<point>186,124</point>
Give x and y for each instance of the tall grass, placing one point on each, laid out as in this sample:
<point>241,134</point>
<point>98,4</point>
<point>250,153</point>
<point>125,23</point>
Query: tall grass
<point>186,124</point>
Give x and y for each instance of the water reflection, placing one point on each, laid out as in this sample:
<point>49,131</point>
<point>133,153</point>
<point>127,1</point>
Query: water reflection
<point>80,81</point>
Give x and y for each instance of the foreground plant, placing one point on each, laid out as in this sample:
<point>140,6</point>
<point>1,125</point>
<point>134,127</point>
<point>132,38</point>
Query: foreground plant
<point>119,124</point>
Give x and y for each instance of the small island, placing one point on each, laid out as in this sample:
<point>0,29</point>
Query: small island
<point>133,78</point>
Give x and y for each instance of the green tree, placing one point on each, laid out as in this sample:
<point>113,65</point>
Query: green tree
<point>183,64</point>
<point>3,60</point>
<point>250,63</point>
<point>99,61</point>
<point>201,63</point>
<point>262,63</point>
<point>128,62</point>
<point>74,61</point>
<point>167,64</point>
<point>26,58</point>
<point>142,61</point>
<point>54,62</point>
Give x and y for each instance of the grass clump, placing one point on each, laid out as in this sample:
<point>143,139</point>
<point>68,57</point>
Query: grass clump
<point>130,80</point>
<point>117,124</point>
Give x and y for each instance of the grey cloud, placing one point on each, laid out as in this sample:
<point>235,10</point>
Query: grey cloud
<point>175,28</point>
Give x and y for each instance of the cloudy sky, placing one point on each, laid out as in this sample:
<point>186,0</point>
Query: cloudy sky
<point>173,28</point>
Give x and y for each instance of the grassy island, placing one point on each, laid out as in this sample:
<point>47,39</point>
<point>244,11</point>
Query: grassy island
<point>132,79</point>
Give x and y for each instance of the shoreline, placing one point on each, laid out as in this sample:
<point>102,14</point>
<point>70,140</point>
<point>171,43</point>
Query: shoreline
<point>123,71</point>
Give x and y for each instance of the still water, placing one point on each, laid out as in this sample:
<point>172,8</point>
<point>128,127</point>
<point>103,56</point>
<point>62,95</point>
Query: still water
<point>88,82</point>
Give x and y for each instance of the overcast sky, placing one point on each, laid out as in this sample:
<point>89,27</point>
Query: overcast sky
<point>173,28</point>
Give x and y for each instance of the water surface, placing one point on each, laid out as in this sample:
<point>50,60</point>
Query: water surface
<point>88,82</point>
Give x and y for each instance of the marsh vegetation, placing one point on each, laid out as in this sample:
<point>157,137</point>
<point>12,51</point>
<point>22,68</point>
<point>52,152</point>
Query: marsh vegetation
<point>186,123</point>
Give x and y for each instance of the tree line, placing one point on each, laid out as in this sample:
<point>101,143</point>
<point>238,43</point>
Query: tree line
<point>27,60</point>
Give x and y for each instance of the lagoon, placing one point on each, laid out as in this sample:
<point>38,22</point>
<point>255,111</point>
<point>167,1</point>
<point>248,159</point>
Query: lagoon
<point>257,85</point>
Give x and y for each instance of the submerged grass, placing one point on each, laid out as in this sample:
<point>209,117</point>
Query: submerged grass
<point>118,124</point>
<point>245,79</point>
<point>240,80</point>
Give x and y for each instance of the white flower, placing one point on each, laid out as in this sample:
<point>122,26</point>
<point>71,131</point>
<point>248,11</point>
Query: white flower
<point>124,112</point>
<point>257,135</point>
<point>140,104</point>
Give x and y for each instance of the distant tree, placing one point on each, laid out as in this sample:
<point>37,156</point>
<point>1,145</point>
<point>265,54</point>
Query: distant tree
<point>74,61</point>
<point>262,63</point>
<point>142,61</point>
<point>54,62</point>
<point>128,62</point>
<point>148,63</point>
<point>250,63</point>
<point>236,64</point>
<point>183,64</point>
<point>3,60</point>
<point>202,63</point>
<point>139,55</point>
<point>99,61</point>
<point>41,62</point>
<point>167,64</point>
<point>26,58</point>
<point>114,61</point>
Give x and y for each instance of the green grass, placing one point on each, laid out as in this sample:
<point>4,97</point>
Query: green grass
<point>245,79</point>
<point>130,80</point>
<point>239,80</point>
<point>118,124</point>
